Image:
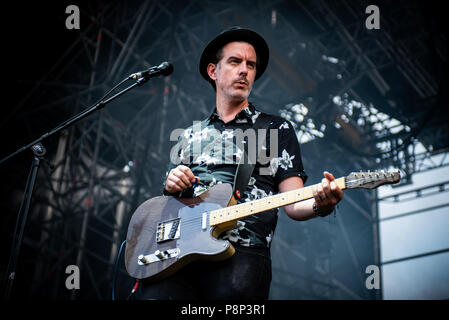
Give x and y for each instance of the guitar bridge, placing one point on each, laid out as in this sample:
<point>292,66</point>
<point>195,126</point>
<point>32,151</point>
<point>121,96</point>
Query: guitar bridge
<point>168,230</point>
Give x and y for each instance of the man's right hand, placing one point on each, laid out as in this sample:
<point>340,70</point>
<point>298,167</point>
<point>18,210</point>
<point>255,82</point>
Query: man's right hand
<point>179,179</point>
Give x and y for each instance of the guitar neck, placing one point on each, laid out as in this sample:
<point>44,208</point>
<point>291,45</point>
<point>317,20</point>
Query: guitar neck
<point>242,210</point>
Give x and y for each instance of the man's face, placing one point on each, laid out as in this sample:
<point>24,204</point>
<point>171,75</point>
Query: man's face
<point>236,70</point>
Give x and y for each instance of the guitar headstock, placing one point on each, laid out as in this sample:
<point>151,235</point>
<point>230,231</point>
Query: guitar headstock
<point>371,180</point>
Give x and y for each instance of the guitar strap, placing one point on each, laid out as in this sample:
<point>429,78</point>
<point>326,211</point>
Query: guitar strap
<point>245,168</point>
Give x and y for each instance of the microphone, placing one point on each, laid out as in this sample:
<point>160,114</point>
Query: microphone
<point>164,69</point>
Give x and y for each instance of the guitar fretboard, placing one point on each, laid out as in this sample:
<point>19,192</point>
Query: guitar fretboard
<point>253,207</point>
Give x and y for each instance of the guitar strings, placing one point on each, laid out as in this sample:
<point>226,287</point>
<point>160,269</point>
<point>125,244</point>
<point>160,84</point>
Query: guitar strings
<point>198,219</point>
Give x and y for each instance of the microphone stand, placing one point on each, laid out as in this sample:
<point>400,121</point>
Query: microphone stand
<point>38,152</point>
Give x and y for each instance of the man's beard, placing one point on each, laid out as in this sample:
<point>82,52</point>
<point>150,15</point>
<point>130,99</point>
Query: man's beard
<point>235,94</point>
<point>238,95</point>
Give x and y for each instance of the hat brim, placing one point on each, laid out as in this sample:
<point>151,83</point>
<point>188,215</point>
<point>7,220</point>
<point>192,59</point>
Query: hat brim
<point>231,35</point>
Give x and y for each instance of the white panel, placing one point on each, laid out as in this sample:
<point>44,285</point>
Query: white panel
<point>389,209</point>
<point>422,278</point>
<point>414,234</point>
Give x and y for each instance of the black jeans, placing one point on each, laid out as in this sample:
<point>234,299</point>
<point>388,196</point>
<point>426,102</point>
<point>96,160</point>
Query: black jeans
<point>246,276</point>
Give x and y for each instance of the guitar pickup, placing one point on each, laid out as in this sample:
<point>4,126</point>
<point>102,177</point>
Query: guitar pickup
<point>158,256</point>
<point>168,230</point>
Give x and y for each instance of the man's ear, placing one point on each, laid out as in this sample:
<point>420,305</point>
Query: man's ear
<point>212,71</point>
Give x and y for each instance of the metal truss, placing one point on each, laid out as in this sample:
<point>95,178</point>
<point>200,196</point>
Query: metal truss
<point>108,164</point>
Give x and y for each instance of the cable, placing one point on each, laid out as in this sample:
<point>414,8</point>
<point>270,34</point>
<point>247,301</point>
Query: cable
<point>114,277</point>
<point>113,88</point>
<point>136,285</point>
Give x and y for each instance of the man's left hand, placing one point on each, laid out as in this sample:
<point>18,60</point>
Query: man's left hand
<point>327,195</point>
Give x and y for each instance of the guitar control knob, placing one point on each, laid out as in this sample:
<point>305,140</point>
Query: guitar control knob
<point>143,259</point>
<point>159,254</point>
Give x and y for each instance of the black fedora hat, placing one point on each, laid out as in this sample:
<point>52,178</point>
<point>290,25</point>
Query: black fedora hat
<point>230,35</point>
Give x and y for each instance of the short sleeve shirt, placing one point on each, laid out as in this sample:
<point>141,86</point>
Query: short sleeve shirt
<point>212,150</point>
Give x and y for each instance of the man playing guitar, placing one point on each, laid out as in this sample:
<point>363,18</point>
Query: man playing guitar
<point>231,63</point>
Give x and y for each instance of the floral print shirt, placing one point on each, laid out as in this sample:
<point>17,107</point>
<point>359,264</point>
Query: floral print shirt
<point>212,150</point>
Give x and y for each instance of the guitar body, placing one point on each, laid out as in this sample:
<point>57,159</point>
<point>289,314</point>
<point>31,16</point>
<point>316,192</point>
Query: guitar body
<point>171,232</point>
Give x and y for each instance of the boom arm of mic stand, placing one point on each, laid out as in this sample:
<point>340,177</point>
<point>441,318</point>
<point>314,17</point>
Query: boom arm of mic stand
<point>76,118</point>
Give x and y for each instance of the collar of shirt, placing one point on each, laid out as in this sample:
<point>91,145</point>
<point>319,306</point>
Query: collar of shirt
<point>242,117</point>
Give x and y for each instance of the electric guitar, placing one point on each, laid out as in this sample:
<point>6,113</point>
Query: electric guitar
<point>165,233</point>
